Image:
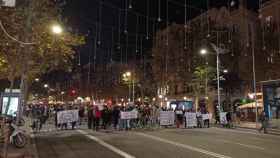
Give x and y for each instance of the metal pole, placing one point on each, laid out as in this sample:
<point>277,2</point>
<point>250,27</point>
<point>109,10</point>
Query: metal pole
<point>133,90</point>
<point>129,91</point>
<point>254,73</point>
<point>218,73</point>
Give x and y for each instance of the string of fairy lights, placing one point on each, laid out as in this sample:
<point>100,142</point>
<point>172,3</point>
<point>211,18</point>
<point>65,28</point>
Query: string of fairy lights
<point>121,33</point>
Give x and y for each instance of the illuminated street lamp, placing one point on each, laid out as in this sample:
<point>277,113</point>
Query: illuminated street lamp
<point>57,29</point>
<point>128,74</point>
<point>218,52</point>
<point>37,79</point>
<point>225,71</point>
<point>203,51</point>
<point>128,77</point>
<point>46,85</point>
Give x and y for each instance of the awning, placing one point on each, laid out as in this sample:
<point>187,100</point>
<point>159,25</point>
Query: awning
<point>252,105</point>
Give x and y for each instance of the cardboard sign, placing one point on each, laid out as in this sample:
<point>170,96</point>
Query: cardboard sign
<point>67,116</point>
<point>9,3</point>
<point>206,116</point>
<point>129,115</point>
<point>223,118</point>
<point>167,118</point>
<point>191,120</point>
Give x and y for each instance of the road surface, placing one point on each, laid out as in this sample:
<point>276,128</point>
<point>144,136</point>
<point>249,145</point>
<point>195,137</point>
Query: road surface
<point>162,143</point>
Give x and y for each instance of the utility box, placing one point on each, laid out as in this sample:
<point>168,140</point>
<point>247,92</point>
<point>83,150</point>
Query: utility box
<point>14,100</point>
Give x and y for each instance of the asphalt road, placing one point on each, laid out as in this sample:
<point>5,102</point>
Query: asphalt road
<point>163,143</point>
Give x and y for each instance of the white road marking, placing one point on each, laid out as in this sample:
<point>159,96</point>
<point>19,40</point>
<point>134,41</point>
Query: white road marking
<point>184,146</point>
<point>247,132</point>
<point>241,144</point>
<point>110,147</point>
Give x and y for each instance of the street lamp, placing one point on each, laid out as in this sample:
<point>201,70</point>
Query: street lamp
<point>46,85</point>
<point>128,74</point>
<point>128,77</point>
<point>225,71</point>
<point>218,52</point>
<point>203,51</point>
<point>37,79</point>
<point>57,29</point>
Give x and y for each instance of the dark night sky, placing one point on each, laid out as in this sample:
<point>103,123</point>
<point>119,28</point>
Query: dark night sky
<point>84,17</point>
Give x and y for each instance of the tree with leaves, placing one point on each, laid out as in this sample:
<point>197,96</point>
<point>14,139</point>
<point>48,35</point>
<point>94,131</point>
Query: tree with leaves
<point>28,46</point>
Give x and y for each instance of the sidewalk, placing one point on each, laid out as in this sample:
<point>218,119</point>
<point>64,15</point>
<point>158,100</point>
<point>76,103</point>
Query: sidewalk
<point>29,151</point>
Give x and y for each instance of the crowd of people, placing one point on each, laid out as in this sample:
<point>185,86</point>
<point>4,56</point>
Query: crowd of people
<point>102,116</point>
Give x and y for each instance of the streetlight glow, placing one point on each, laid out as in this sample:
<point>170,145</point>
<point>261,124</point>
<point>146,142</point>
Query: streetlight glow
<point>56,29</point>
<point>46,85</point>
<point>203,51</point>
<point>225,71</point>
<point>128,74</point>
<point>37,79</point>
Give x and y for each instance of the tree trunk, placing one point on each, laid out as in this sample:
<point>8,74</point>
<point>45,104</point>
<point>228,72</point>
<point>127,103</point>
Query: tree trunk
<point>6,128</point>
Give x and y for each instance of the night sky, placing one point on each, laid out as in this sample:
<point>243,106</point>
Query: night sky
<point>99,20</point>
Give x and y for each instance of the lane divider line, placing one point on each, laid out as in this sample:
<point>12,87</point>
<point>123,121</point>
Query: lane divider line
<point>108,146</point>
<point>241,144</point>
<point>184,146</point>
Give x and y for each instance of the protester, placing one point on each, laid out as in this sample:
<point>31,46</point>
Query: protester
<point>116,116</point>
<point>96,118</point>
<point>264,122</point>
<point>199,119</point>
<point>179,117</point>
<point>90,116</point>
<point>207,120</point>
<point>81,114</point>
<point>106,115</point>
<point>229,120</point>
<point>238,116</point>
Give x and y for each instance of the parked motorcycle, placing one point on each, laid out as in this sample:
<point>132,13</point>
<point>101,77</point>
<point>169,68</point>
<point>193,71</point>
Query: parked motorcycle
<point>17,136</point>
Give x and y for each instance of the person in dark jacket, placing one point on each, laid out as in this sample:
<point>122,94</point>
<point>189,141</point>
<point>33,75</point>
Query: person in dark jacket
<point>105,117</point>
<point>116,116</point>
<point>81,114</point>
<point>90,116</point>
<point>264,122</point>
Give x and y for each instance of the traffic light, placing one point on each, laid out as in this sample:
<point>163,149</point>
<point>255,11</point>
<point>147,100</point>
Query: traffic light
<point>73,92</point>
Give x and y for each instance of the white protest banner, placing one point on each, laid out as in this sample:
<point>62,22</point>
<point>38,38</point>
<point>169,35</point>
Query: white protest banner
<point>206,116</point>
<point>67,116</point>
<point>191,120</point>
<point>223,118</point>
<point>9,3</point>
<point>167,118</point>
<point>129,115</point>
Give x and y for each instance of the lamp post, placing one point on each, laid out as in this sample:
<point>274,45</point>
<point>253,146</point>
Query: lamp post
<point>218,52</point>
<point>130,78</point>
